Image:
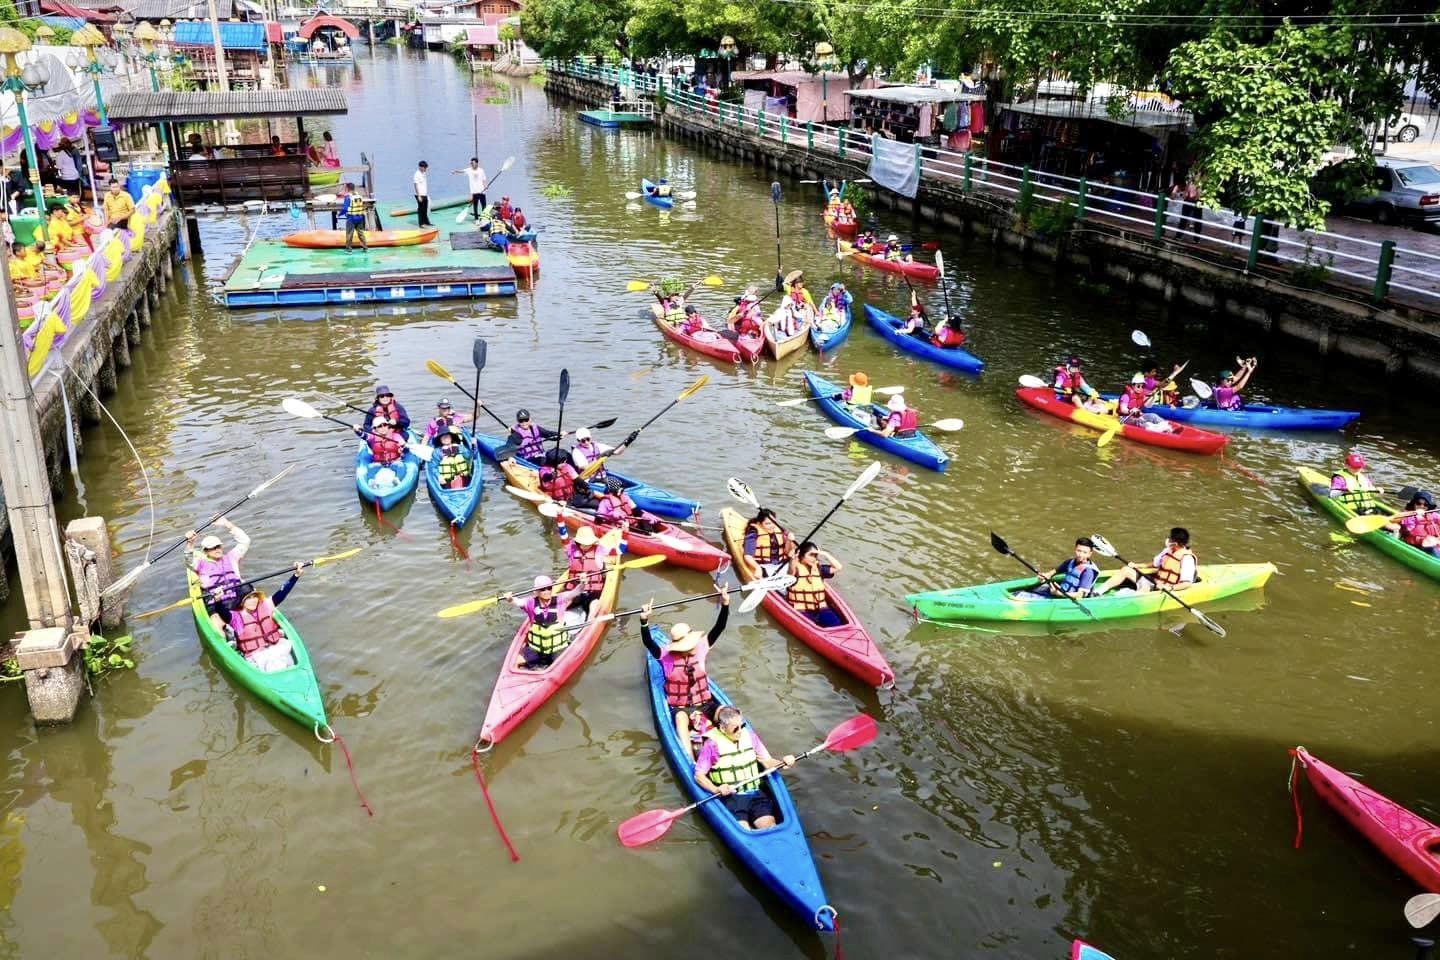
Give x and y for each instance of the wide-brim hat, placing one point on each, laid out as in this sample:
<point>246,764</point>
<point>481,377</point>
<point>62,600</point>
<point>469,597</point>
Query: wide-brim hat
<point>794,275</point>
<point>685,644</point>
<point>585,536</point>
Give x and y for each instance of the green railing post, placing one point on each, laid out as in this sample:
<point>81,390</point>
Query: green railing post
<point>760,124</point>
<point>1256,231</point>
<point>1383,270</point>
<point>784,129</point>
<point>965,178</point>
<point>1160,206</point>
<point>809,137</point>
<point>1080,200</point>
<point>1025,186</point>
<point>840,132</point>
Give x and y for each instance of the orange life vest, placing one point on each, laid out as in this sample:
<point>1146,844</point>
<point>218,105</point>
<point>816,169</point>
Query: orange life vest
<point>808,591</point>
<point>586,562</point>
<point>1171,565</point>
<point>769,546</point>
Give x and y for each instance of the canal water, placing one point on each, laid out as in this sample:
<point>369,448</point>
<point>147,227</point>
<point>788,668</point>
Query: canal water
<point>1123,784</point>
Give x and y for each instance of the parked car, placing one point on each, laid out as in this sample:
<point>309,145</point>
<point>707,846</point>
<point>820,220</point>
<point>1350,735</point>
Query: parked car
<point>1405,128</point>
<point>1405,191</point>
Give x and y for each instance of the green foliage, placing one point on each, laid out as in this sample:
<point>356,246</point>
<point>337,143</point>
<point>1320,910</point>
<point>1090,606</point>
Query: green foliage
<point>670,286</point>
<point>10,671</point>
<point>573,28</point>
<point>556,191</point>
<point>104,655</point>
<point>508,33</point>
<point>1052,219</point>
<point>1315,269</point>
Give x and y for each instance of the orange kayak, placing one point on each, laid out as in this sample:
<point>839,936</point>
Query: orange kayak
<point>335,239</point>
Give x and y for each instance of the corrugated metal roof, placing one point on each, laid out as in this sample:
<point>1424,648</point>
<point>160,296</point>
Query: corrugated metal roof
<point>163,9</point>
<point>181,107</point>
<point>233,36</point>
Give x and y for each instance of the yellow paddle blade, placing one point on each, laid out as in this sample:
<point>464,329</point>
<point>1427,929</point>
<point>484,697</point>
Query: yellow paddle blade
<point>1105,437</point>
<point>612,538</point>
<point>465,609</point>
<point>694,388</point>
<point>438,370</point>
<point>593,468</point>
<point>637,286</point>
<point>530,495</point>
<point>1367,523</point>
<point>640,562</point>
<point>339,556</point>
<point>155,613</point>
<point>714,280</point>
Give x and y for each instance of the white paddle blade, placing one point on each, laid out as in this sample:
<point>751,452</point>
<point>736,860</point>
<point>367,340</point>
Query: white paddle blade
<point>631,195</point>
<point>509,162</point>
<point>125,582</point>
<point>299,408</point>
<point>1139,339</point>
<point>1102,546</point>
<point>1032,381</point>
<point>862,481</point>
<point>753,600</point>
<point>949,426</point>
<point>841,433</point>
<point>421,451</point>
<point>1422,909</point>
<point>550,509</point>
<point>793,403</point>
<point>888,391</point>
<point>1201,388</point>
<point>940,261</point>
<point>741,491</point>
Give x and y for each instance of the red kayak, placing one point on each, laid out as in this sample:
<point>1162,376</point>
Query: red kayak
<point>1179,437</point>
<point>849,645</point>
<point>911,268</point>
<point>1411,842</point>
<point>707,341</point>
<point>840,227</point>
<point>520,692</point>
<point>676,545</point>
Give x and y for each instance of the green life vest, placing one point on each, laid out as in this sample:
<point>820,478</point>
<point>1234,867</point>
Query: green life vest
<point>738,764</point>
<point>545,636</point>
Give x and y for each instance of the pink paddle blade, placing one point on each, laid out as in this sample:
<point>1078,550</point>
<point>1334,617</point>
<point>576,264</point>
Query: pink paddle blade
<point>649,826</point>
<point>854,733</point>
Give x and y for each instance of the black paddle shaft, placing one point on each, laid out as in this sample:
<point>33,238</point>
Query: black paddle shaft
<point>182,541</point>
<point>1164,589</point>
<point>564,395</point>
<point>823,520</point>
<point>1003,547</point>
<point>779,270</point>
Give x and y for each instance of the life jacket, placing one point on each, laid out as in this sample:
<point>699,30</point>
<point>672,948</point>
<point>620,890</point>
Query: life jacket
<point>452,466</point>
<point>808,591</point>
<point>862,396</point>
<point>1356,490</point>
<point>747,319</point>
<point>519,221</point>
<point>1133,399</point>
<point>1171,564</point>
<point>442,424</point>
<point>532,440</point>
<point>390,411</point>
<point>737,764</point>
<point>615,506</point>
<point>909,422</point>
<point>1073,573</point>
<point>588,565</point>
<point>505,212</point>
<point>1227,398</point>
<point>385,449</point>
<point>558,483</point>
<point>947,336</point>
<point>1414,530</point>
<point>544,635</point>
<point>218,578</point>
<point>1066,382</point>
<point>591,452</point>
<point>769,546</point>
<point>686,684</point>
<point>255,631</point>
<point>692,324</point>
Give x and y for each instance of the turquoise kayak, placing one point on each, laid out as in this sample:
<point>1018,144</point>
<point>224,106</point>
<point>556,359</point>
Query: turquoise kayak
<point>1256,416</point>
<point>823,339</point>
<point>386,484</point>
<point>458,506</point>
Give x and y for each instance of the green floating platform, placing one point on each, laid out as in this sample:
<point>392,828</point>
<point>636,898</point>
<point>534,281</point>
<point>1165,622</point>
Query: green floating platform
<point>612,119</point>
<point>273,274</point>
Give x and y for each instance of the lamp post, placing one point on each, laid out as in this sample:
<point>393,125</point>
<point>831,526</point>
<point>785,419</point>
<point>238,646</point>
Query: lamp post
<point>825,59</point>
<point>146,35</point>
<point>90,38</point>
<point>17,81</point>
<point>727,53</point>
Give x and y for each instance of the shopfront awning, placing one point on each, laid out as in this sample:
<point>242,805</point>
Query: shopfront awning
<point>198,105</point>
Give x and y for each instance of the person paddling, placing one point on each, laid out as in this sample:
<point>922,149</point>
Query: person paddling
<point>544,610</point>
<point>561,482</point>
<point>1422,529</point>
<point>1354,488</point>
<point>917,323</point>
<point>217,570</point>
<point>1159,391</point>
<point>1174,568</point>
<point>683,661</point>
<point>255,633</point>
<point>586,450</point>
<point>746,320</point>
<point>1073,577</point>
<point>454,467</point>
<point>730,764</point>
<point>947,334</point>
<point>766,542</point>
<point>811,567</point>
<point>445,419</point>
<point>903,421</point>
<point>1227,391</point>
<point>585,557</point>
<point>617,508</point>
<point>1130,407</point>
<point>691,322</point>
<point>529,438</point>
<point>1070,383</point>
<point>388,407</point>
<point>386,445</point>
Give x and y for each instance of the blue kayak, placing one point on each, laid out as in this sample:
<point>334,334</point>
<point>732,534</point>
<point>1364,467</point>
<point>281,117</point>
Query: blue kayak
<point>779,856</point>
<point>659,502</point>
<point>387,484</point>
<point>647,190</point>
<point>1080,950</point>
<point>889,328</point>
<point>458,506</point>
<point>1258,416</point>
<point>823,340</point>
<point>917,449</point>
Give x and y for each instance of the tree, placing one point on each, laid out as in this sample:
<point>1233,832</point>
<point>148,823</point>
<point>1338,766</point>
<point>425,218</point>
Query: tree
<point>571,28</point>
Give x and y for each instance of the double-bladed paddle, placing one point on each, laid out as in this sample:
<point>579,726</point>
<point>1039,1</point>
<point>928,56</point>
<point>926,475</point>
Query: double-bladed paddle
<point>564,395</point>
<point>551,510</point>
<point>741,491</point>
<point>474,606</point>
<point>754,591</point>
<point>844,433</point>
<point>798,401</point>
<point>1103,547</point>
<point>640,286</point>
<point>861,482</point>
<point>1364,523</point>
<point>439,371</point>
<point>124,583</point>
<point>1422,909</point>
<point>510,449</point>
<point>477,356</point>
<point>299,408</point>
<point>651,825</point>
<point>689,391</point>
<point>317,562</point>
<point>1001,546</point>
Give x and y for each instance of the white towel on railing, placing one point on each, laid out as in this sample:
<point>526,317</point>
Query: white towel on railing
<point>893,165</point>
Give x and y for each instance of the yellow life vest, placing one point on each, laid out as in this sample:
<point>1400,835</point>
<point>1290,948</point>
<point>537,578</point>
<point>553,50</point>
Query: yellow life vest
<point>861,396</point>
<point>450,467</point>
<point>738,764</point>
<point>545,636</point>
<point>1357,489</point>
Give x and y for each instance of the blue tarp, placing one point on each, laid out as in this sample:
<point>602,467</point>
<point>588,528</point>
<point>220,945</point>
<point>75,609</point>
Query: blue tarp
<point>233,36</point>
<point>893,166</point>
<point>63,23</point>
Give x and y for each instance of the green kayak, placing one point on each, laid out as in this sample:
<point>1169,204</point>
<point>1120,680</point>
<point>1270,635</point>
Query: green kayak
<point>1318,486</point>
<point>997,601</point>
<point>293,692</point>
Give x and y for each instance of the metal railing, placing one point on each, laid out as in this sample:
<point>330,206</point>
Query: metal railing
<point>1383,268</point>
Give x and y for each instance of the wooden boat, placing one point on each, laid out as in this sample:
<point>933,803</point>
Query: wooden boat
<point>780,348</point>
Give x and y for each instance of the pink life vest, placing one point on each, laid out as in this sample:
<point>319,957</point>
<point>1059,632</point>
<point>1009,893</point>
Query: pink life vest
<point>1065,382</point>
<point>692,324</point>
<point>1133,399</point>
<point>218,578</point>
<point>1227,398</point>
<point>532,441</point>
<point>907,421</point>
<point>255,631</point>
<point>615,506</point>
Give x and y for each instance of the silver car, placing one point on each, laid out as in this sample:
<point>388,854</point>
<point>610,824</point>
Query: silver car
<point>1406,191</point>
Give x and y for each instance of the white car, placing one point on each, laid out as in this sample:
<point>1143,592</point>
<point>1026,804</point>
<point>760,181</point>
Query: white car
<point>1406,128</point>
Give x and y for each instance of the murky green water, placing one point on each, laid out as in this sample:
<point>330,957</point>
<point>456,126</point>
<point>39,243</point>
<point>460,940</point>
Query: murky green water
<point>1121,784</point>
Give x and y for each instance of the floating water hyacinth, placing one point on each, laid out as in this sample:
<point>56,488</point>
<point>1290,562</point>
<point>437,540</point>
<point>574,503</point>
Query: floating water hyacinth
<point>556,190</point>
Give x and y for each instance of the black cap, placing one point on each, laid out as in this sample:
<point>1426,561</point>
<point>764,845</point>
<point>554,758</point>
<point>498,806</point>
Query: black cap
<point>522,414</point>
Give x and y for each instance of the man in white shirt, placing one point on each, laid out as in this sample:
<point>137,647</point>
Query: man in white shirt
<point>422,194</point>
<point>475,175</point>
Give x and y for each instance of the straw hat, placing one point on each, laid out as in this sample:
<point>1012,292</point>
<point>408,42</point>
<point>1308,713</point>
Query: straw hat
<point>585,537</point>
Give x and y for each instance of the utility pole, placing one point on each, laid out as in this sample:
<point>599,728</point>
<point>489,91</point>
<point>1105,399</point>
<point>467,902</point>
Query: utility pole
<point>222,76</point>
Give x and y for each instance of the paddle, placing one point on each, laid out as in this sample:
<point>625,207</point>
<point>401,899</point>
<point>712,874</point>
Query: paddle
<point>551,510</point>
<point>845,433</point>
<point>651,825</point>
<point>128,579</point>
<point>1370,522</point>
<point>1001,546</point>
<point>640,286</point>
<point>775,200</point>
<point>1422,909</point>
<point>317,562</point>
<point>439,371</point>
<point>1105,438</point>
<point>847,181</point>
<point>689,391</point>
<point>861,482</point>
<point>1139,339</point>
<point>741,491</point>
<point>944,287</point>
<point>881,391</point>
<point>474,606</point>
<point>299,408</point>
<point>1103,547</point>
<point>1201,388</point>
<point>685,195</point>
<point>1032,382</point>
<point>755,592</point>
<point>510,449</point>
<point>564,395</point>
<point>477,357</point>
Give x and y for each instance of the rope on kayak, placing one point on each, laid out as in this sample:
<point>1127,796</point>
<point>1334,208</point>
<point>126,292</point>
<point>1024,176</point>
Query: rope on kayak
<point>335,738</point>
<point>835,922</point>
<point>494,817</point>
<point>1294,784</point>
<point>455,544</point>
<point>380,519</point>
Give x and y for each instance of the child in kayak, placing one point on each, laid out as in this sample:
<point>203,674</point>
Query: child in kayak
<point>1074,577</point>
<point>691,322</point>
<point>1174,568</point>
<point>454,468</point>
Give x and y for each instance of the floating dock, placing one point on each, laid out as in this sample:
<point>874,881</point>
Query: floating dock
<point>615,119</point>
<point>272,274</point>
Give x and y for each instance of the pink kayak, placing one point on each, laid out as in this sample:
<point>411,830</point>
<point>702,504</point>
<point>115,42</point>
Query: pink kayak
<point>911,268</point>
<point>708,342</point>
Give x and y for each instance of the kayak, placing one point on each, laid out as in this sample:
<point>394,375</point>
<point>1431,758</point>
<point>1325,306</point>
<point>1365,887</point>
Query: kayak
<point>997,601</point>
<point>917,449</point>
<point>335,239</point>
<point>1318,486</point>
<point>322,178</point>
<point>450,203</point>
<point>910,268</point>
<point>294,692</point>
<point>1257,416</point>
<point>779,856</point>
<point>647,190</point>
<point>1188,439</point>
<point>1410,841</point>
<point>676,545</point>
<point>388,484</point>
<point>782,347</point>
<point>889,327</point>
<point>707,341</point>
<point>520,692</point>
<point>841,228</point>
<point>458,506</point>
<point>524,257</point>
<point>1080,950</point>
<point>849,645</point>
<point>831,329</point>
<point>654,499</point>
